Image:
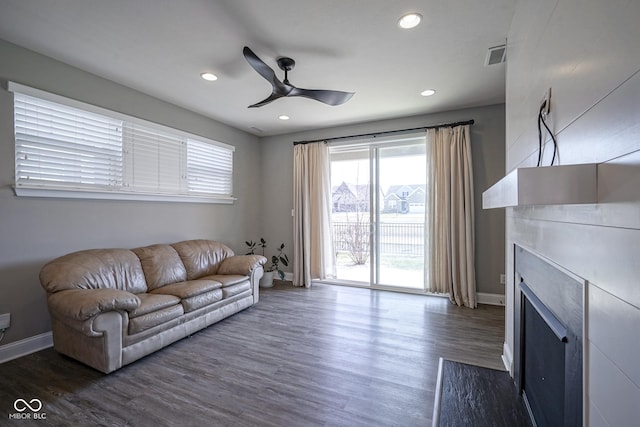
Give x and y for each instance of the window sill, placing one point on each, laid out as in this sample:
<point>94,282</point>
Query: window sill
<point>65,193</point>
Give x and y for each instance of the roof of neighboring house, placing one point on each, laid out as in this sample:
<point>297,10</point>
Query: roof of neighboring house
<point>361,191</point>
<point>395,191</point>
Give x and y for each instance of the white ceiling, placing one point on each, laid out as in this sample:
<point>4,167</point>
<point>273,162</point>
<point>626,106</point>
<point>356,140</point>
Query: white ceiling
<point>160,47</point>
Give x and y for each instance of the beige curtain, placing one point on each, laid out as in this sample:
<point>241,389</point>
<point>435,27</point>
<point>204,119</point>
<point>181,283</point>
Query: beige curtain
<point>312,240</point>
<point>450,216</point>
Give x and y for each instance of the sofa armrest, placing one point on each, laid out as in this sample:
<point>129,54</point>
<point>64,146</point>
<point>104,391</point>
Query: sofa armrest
<point>82,304</point>
<point>241,264</point>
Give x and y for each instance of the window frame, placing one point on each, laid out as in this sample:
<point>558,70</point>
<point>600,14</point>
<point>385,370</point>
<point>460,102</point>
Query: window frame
<point>121,193</point>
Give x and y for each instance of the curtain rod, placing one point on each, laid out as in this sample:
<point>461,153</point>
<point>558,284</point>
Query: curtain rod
<point>375,134</point>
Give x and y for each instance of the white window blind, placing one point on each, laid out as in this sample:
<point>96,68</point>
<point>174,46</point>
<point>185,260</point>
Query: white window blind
<point>58,145</point>
<point>84,151</point>
<point>208,168</point>
<point>154,161</point>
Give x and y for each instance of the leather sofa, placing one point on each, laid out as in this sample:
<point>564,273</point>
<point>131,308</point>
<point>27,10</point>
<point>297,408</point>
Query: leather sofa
<point>110,307</point>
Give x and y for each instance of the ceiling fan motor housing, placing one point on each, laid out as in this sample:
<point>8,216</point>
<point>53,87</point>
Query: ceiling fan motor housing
<point>286,64</point>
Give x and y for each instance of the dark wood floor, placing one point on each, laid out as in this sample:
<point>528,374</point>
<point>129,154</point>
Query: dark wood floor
<point>328,355</point>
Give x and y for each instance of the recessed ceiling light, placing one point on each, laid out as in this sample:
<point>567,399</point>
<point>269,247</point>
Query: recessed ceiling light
<point>410,20</point>
<point>428,92</point>
<point>284,117</point>
<point>209,77</point>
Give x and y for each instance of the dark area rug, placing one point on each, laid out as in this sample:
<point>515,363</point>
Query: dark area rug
<point>475,396</point>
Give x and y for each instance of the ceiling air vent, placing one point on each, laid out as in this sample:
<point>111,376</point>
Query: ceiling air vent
<point>496,55</point>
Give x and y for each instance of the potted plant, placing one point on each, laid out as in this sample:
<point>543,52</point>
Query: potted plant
<point>276,260</point>
<point>280,258</point>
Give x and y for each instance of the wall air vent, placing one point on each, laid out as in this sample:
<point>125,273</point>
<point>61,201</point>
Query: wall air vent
<point>496,55</point>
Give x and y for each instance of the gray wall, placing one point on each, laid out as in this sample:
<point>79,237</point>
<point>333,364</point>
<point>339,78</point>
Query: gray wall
<point>589,54</point>
<point>33,230</point>
<point>487,140</point>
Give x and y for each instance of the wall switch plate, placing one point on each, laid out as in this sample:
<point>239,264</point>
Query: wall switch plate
<point>503,279</point>
<point>5,320</point>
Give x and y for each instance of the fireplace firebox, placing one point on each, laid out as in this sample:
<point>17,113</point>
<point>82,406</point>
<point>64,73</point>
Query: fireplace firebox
<point>548,363</point>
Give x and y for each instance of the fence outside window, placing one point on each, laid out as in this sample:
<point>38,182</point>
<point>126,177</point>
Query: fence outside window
<point>395,238</point>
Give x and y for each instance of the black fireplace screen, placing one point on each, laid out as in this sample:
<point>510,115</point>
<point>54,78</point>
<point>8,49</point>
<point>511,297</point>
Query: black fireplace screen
<point>544,369</point>
<point>548,338</point>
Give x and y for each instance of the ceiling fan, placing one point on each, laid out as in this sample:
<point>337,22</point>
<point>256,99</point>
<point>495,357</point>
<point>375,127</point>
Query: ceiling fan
<point>284,88</point>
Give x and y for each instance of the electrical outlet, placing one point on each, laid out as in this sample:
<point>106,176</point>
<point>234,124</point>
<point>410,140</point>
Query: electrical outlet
<point>503,279</point>
<point>546,101</point>
<point>5,320</point>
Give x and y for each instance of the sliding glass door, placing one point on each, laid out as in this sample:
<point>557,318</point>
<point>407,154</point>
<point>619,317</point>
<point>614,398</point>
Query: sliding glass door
<point>378,212</point>
<point>351,212</point>
<point>400,215</point>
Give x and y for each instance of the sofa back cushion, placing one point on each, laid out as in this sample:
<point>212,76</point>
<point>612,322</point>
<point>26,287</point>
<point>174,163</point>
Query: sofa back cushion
<point>94,269</point>
<point>201,257</point>
<point>161,265</point>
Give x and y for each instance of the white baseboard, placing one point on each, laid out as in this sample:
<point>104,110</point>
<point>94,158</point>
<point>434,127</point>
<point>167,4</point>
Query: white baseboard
<point>491,299</point>
<point>507,358</point>
<point>26,346</point>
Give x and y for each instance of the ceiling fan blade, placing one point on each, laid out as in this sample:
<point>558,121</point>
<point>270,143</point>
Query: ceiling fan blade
<point>263,69</point>
<point>331,97</point>
<point>267,100</point>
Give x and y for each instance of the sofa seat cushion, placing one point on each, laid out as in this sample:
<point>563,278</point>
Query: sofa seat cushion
<point>236,289</point>
<point>228,279</point>
<point>155,318</point>
<point>152,302</point>
<point>188,289</point>
<point>202,300</point>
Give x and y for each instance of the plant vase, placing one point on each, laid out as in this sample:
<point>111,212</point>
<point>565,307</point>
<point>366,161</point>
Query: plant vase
<point>267,280</point>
